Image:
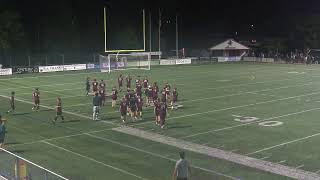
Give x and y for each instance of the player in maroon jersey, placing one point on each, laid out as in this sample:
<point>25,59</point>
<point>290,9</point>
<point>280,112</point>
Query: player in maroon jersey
<point>58,111</point>
<point>163,95</point>
<point>148,92</point>
<point>155,86</point>
<point>138,81</point>
<point>102,84</point>
<point>36,99</point>
<point>102,93</point>
<point>145,82</point>
<point>120,82</point>
<point>139,106</point>
<point>114,96</point>
<point>139,90</point>
<point>127,97</point>
<point>12,103</point>
<point>154,93</point>
<point>157,111</point>
<point>95,86</point>
<point>128,80</point>
<point>123,109</point>
<point>174,98</point>
<point>163,114</point>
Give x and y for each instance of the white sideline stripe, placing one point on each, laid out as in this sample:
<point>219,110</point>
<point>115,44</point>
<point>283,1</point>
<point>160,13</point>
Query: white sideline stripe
<point>2,178</point>
<point>220,154</point>
<point>156,155</point>
<point>94,160</point>
<point>317,171</point>
<point>33,164</point>
<point>282,144</point>
<point>245,124</point>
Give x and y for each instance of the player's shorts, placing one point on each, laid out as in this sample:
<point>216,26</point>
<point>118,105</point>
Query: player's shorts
<point>157,113</point>
<point>103,98</point>
<point>13,107</point>
<point>174,100</point>
<point>133,108</point>
<point>59,113</point>
<point>88,88</point>
<point>120,84</point>
<point>37,101</point>
<point>94,89</point>
<point>123,113</point>
<point>96,109</point>
<point>114,98</point>
<point>139,109</point>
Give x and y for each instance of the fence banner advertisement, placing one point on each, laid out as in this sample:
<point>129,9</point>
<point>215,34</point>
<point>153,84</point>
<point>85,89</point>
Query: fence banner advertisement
<point>4,72</point>
<point>90,66</point>
<point>25,70</point>
<point>167,62</point>
<point>74,67</point>
<point>183,61</point>
<point>43,69</point>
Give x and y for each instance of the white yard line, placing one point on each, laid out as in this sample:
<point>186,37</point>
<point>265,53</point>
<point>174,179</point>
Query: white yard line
<point>156,155</point>
<point>282,144</point>
<point>283,161</point>
<point>246,124</point>
<point>94,160</point>
<point>266,157</point>
<point>298,167</point>
<point>224,155</point>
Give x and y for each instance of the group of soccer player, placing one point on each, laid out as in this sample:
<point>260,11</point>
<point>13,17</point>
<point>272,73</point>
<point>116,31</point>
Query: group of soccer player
<point>131,104</point>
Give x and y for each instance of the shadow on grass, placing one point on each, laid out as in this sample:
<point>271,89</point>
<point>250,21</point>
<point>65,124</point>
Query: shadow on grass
<point>21,114</point>
<point>72,121</point>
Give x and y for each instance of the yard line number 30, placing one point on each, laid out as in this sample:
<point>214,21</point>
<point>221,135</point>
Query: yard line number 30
<point>249,119</point>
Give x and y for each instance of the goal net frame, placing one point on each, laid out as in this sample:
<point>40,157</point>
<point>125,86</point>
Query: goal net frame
<point>122,63</point>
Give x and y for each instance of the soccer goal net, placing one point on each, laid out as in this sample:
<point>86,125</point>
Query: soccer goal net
<point>124,61</point>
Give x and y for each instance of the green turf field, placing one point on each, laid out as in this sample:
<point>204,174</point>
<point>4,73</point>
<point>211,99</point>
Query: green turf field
<point>265,111</point>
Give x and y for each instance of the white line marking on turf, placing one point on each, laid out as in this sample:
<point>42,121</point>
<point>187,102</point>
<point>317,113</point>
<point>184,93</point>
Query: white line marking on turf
<point>282,144</point>
<point>283,161</point>
<point>318,171</point>
<point>298,167</point>
<point>60,137</point>
<point>266,157</point>
<point>249,123</point>
<point>234,150</point>
<point>224,155</point>
<point>156,155</point>
<point>94,160</point>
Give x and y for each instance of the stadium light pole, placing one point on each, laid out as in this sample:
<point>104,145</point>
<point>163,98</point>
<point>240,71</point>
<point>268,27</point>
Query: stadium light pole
<point>159,33</point>
<point>150,32</point>
<point>177,37</point>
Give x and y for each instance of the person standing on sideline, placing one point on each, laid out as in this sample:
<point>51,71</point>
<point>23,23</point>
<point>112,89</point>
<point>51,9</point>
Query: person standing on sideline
<point>2,132</point>
<point>96,102</point>
<point>182,170</point>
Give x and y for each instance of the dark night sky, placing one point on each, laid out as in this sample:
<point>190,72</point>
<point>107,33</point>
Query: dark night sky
<point>200,20</point>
